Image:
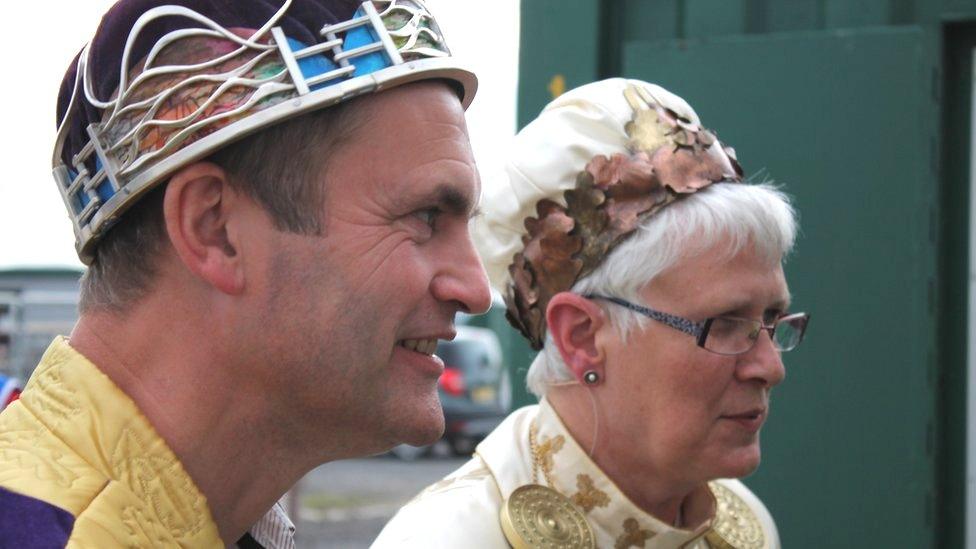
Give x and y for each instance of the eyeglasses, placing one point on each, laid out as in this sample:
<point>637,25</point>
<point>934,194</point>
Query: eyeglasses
<point>728,335</point>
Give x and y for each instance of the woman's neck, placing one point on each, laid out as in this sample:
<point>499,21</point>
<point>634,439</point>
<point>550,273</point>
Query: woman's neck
<point>684,505</point>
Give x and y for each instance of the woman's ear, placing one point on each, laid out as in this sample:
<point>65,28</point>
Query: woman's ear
<point>573,322</point>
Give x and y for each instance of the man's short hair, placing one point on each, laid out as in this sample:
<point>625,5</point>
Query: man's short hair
<point>279,168</point>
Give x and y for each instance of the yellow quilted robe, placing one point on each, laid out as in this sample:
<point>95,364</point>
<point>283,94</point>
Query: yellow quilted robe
<point>76,441</point>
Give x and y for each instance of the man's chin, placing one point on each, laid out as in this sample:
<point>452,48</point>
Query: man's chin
<point>422,436</point>
<point>421,427</point>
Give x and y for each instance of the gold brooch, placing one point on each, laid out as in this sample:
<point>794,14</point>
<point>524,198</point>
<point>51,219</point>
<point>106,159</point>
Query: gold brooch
<point>537,516</point>
<point>735,525</point>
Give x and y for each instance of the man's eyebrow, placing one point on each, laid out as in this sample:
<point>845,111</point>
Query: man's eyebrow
<point>452,200</point>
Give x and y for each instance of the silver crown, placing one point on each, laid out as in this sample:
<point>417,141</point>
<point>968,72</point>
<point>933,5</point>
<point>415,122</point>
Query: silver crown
<point>174,113</point>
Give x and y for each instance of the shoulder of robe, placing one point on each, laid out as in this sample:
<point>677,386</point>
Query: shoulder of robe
<point>461,510</point>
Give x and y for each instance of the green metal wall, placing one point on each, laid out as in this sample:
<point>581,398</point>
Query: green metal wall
<point>861,109</point>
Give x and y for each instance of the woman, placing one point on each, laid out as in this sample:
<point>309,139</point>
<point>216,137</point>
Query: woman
<point>629,250</point>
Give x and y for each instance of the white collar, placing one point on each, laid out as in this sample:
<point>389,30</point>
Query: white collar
<point>615,520</point>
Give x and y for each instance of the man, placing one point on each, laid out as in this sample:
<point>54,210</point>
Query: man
<point>273,202</point>
<point>620,206</point>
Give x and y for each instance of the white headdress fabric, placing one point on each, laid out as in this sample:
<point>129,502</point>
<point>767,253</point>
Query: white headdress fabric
<point>546,157</point>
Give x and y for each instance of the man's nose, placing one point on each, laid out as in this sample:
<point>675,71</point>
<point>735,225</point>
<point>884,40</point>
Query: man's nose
<point>463,280</point>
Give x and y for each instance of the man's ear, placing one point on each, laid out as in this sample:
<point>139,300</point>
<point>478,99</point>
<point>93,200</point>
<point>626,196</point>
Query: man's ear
<point>199,208</point>
<point>573,322</point>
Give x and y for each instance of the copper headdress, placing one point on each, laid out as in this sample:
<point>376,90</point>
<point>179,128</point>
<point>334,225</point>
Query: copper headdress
<point>669,155</point>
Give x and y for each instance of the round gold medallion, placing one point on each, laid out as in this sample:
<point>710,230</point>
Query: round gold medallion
<point>735,525</point>
<point>537,516</point>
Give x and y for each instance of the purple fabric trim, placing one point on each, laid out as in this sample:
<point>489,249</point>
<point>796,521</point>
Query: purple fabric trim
<point>28,523</point>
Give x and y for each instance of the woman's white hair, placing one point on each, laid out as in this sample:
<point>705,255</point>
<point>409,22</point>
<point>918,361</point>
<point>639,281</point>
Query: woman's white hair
<point>736,215</point>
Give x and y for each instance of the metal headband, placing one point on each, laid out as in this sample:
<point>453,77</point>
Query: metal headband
<point>151,129</point>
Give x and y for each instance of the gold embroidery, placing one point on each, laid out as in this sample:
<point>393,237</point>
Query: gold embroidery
<point>51,397</point>
<point>735,525</point>
<point>478,473</point>
<point>546,450</point>
<point>633,536</point>
<point>588,496</point>
<point>143,530</point>
<point>157,479</point>
<point>542,455</point>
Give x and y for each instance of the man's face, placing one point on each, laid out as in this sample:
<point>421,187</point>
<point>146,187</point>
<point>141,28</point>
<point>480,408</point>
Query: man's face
<point>353,314</point>
<point>688,414</point>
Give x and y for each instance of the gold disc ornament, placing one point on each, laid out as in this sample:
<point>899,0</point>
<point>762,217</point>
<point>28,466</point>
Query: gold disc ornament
<point>735,525</point>
<point>536,516</point>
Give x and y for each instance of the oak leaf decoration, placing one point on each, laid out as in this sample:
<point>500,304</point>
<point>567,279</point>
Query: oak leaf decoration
<point>670,156</point>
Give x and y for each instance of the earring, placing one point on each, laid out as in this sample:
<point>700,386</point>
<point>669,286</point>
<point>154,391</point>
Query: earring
<point>591,377</point>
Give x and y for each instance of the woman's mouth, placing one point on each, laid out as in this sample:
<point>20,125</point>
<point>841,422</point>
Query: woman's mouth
<point>751,420</point>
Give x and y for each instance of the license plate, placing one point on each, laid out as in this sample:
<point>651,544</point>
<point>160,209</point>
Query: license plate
<point>483,394</point>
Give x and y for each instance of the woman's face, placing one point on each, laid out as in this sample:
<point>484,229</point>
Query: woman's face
<point>677,410</point>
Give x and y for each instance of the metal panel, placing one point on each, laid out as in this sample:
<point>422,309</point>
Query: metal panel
<point>838,118</point>
<point>856,13</point>
<point>559,49</point>
<point>958,6</point>
<point>790,15</point>
<point>704,18</point>
<point>640,19</point>
<point>903,12</point>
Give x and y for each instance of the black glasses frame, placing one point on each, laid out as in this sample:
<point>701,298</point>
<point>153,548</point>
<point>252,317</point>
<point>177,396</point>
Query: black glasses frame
<point>699,330</point>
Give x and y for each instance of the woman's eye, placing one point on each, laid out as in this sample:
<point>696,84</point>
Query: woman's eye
<point>772,316</point>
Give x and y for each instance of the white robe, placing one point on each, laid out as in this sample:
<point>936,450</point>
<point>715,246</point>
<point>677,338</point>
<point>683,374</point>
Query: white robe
<point>462,510</point>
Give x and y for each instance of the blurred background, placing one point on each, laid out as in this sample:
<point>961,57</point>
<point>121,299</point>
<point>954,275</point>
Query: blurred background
<point>861,109</point>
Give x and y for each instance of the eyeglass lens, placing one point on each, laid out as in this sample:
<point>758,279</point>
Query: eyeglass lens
<point>731,336</point>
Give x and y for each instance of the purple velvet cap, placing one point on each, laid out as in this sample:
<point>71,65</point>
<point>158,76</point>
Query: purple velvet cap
<point>302,22</point>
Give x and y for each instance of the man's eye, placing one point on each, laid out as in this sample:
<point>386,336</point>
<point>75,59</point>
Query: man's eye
<point>428,216</point>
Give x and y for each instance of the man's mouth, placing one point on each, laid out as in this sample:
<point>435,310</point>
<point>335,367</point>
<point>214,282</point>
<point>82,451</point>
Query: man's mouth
<point>422,346</point>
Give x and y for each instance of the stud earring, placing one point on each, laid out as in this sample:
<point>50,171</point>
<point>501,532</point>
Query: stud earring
<point>591,377</point>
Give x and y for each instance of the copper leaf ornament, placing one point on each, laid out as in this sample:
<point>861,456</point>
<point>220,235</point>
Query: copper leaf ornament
<point>670,156</point>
